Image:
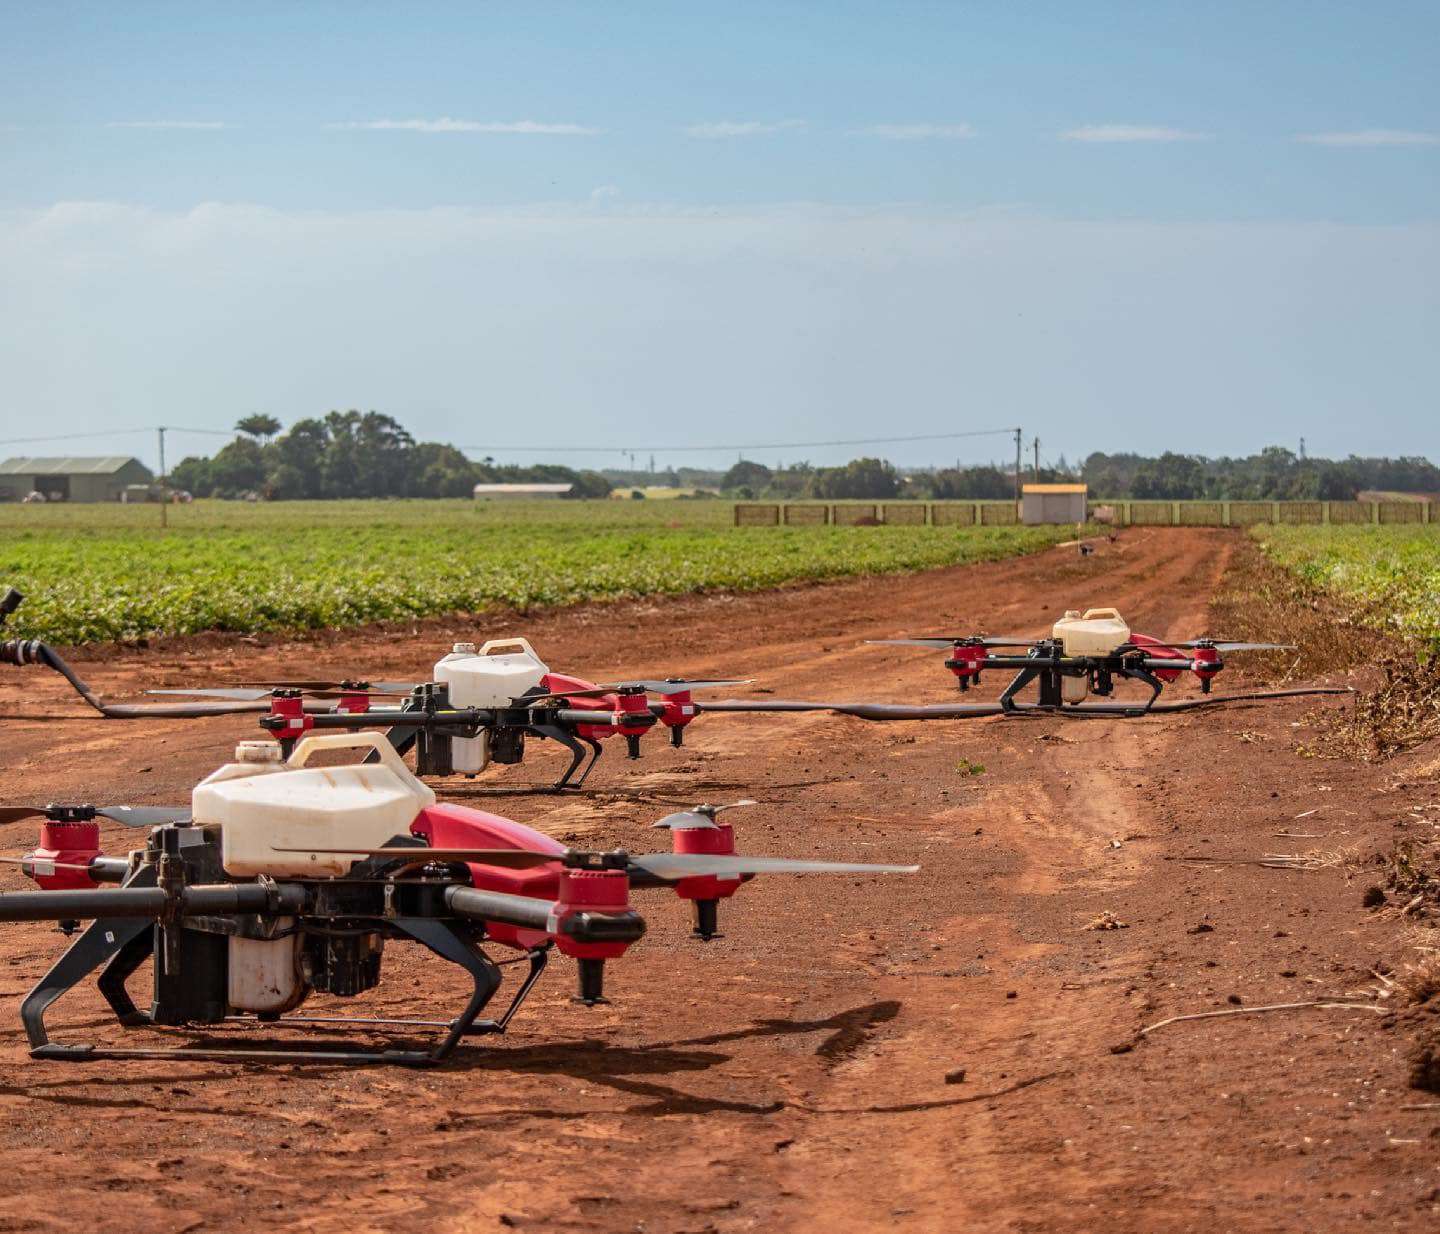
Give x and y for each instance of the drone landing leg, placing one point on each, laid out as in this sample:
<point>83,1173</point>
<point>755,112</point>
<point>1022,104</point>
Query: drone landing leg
<point>1022,679</point>
<point>103,939</point>
<point>1149,678</point>
<point>577,754</point>
<point>450,944</point>
<point>590,766</point>
<point>539,956</point>
<point>120,969</point>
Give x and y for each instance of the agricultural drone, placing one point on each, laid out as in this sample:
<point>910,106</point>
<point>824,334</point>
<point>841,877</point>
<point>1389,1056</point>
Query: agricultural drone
<point>483,702</point>
<point>281,879</point>
<point>1083,655</point>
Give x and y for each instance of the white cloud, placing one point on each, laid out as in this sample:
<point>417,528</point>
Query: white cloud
<point>743,128</point>
<point>1372,137</point>
<point>167,124</point>
<point>604,192</point>
<point>1102,133</point>
<point>915,132</point>
<point>447,125</point>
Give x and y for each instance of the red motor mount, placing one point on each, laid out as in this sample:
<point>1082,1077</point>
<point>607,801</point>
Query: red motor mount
<point>1207,665</point>
<point>287,707</point>
<point>707,890</point>
<point>64,845</point>
<point>357,703</point>
<point>678,710</point>
<point>966,660</point>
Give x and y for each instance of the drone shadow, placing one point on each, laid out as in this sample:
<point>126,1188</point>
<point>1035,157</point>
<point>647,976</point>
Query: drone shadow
<point>621,1067</point>
<point>631,1070</point>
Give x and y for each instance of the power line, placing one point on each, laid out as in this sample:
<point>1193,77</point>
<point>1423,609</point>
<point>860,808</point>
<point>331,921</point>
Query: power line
<point>772,445</point>
<point>114,432</point>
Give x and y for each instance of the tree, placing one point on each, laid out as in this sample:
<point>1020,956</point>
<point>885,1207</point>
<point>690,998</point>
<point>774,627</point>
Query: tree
<point>193,476</point>
<point>259,425</point>
<point>752,477</point>
<point>238,468</point>
<point>1171,477</point>
<point>296,460</point>
<point>437,470</point>
<point>861,477</point>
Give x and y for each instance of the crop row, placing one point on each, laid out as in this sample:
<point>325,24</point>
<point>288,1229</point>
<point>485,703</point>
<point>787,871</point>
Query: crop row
<point>1392,574</point>
<point>308,567</point>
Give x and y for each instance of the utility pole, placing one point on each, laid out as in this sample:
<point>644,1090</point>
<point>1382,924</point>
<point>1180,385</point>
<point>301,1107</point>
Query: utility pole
<point>1302,449</point>
<point>1037,460</point>
<point>1018,433</point>
<point>164,499</point>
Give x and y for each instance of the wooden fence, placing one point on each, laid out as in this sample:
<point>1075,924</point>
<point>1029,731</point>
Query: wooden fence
<point>1118,513</point>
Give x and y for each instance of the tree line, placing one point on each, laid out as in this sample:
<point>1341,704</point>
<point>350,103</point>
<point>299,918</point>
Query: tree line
<point>1275,474</point>
<point>353,454</point>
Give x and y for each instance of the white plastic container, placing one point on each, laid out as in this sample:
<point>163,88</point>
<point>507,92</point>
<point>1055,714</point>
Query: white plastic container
<point>502,670</point>
<point>264,974</point>
<point>264,808</point>
<point>1097,632</point>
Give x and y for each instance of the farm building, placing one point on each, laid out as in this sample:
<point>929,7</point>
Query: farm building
<point>71,479</point>
<point>524,492</point>
<point>1054,503</point>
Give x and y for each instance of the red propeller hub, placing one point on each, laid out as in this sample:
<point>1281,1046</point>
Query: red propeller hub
<point>63,845</point>
<point>717,841</point>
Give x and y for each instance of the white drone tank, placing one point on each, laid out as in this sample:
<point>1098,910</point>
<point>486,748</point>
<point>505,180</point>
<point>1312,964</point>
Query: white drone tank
<point>501,670</point>
<point>1096,632</point>
<point>266,807</point>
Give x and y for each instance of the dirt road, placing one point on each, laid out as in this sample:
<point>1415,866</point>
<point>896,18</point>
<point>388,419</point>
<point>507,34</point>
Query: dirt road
<point>935,1052</point>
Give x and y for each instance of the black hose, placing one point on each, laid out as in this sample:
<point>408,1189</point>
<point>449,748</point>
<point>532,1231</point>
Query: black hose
<point>973,711</point>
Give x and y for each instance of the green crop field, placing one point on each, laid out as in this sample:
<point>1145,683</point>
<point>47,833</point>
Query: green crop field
<point>99,573</point>
<point>1392,573</point>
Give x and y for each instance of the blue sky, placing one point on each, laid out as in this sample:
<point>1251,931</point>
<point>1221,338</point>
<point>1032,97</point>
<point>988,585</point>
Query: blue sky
<point>1141,225</point>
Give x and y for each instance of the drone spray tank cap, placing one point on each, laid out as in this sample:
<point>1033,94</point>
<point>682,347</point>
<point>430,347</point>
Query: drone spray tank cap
<point>258,752</point>
<point>463,649</point>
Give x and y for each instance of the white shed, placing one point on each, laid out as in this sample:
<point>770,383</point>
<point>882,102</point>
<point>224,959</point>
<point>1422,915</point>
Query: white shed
<point>1054,503</point>
<point>522,492</point>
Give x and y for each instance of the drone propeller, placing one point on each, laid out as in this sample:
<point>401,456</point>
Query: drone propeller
<point>526,700</point>
<point>668,866</point>
<point>675,866</point>
<point>44,864</point>
<point>256,692</point>
<point>1218,646</point>
<point>680,685</point>
<point>702,817</point>
<point>671,685</point>
<point>509,858</point>
<point>131,816</point>
<point>942,643</point>
<point>346,685</point>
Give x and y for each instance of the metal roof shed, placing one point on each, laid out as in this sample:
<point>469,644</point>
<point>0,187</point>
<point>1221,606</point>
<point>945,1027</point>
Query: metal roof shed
<point>1054,503</point>
<point>71,478</point>
<point>522,491</point>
